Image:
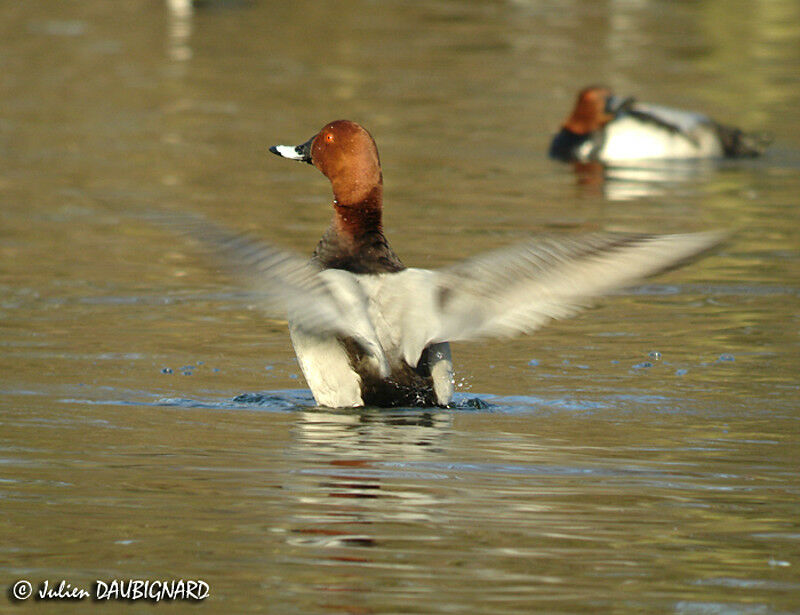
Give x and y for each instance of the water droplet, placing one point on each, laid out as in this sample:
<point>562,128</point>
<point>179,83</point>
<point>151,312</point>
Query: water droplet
<point>655,355</point>
<point>643,365</point>
<point>681,372</point>
<point>726,357</point>
<point>166,370</point>
<point>533,362</point>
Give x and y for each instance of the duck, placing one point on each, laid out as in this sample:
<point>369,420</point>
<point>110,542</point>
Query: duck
<point>369,331</point>
<point>608,129</point>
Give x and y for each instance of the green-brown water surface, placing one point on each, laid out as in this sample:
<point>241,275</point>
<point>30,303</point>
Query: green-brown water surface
<point>641,458</point>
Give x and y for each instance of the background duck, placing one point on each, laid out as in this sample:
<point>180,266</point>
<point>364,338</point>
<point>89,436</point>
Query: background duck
<point>606,128</point>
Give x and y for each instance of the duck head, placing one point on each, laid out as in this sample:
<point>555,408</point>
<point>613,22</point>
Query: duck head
<point>347,155</point>
<point>595,107</point>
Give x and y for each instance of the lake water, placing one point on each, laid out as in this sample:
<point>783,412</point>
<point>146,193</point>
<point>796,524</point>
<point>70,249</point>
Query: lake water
<point>640,458</point>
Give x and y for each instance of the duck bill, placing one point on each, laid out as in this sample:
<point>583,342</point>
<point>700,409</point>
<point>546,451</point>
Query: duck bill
<point>294,152</point>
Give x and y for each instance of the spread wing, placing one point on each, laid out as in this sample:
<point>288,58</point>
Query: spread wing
<point>504,293</point>
<point>516,290</point>
<point>288,286</point>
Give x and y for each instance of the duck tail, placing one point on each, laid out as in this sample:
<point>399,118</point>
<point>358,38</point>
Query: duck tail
<point>739,144</point>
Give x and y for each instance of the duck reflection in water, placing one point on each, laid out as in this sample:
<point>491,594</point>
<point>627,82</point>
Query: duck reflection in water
<point>347,485</point>
<point>354,493</point>
<point>633,149</point>
<point>642,179</point>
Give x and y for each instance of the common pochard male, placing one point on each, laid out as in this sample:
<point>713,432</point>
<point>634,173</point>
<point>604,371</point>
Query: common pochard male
<point>605,128</point>
<point>367,330</point>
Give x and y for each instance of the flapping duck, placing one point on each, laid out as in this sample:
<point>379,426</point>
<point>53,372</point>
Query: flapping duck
<point>367,330</point>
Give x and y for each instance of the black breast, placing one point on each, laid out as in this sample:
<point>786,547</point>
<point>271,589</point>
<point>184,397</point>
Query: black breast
<point>369,253</point>
<point>565,144</point>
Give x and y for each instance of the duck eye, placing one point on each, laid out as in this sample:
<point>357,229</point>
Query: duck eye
<point>329,137</point>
